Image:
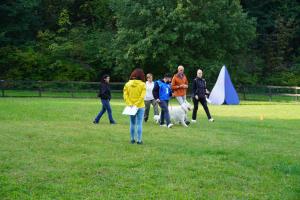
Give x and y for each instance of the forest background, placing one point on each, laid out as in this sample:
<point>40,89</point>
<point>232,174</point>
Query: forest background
<point>80,40</point>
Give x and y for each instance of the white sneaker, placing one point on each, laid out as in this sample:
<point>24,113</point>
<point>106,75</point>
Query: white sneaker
<point>211,120</point>
<point>170,125</point>
<point>193,121</point>
<point>163,125</point>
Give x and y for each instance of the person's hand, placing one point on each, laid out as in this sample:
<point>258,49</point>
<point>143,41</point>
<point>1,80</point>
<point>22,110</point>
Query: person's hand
<point>157,100</point>
<point>196,97</point>
<point>183,86</point>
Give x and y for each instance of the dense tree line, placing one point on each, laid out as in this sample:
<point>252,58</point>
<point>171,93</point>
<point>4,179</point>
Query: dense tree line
<point>82,39</point>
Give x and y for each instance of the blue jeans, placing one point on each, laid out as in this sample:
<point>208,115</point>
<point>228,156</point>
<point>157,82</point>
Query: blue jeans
<point>105,107</point>
<point>136,122</point>
<point>164,115</point>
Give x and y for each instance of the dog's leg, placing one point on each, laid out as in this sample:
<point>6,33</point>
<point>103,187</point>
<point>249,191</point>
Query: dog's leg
<point>186,118</point>
<point>183,122</point>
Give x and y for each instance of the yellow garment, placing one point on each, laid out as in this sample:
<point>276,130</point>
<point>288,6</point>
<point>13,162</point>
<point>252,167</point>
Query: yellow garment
<point>134,92</point>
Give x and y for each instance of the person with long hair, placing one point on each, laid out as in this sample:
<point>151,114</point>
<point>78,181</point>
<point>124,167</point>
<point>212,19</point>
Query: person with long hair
<point>105,96</point>
<point>134,93</point>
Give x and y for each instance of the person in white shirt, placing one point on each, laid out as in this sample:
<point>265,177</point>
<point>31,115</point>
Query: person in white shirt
<point>149,99</point>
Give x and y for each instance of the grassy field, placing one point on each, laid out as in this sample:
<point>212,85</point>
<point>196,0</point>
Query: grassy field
<point>49,149</point>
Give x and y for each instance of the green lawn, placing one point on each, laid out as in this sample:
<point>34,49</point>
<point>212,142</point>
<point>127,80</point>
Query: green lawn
<point>49,149</point>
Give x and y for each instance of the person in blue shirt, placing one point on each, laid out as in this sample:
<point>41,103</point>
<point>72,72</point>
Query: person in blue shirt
<point>162,93</point>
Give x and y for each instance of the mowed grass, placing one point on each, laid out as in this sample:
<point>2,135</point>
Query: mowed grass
<point>49,149</point>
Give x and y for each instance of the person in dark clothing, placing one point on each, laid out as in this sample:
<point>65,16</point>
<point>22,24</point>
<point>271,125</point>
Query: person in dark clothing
<point>199,95</point>
<point>105,96</point>
<point>162,93</point>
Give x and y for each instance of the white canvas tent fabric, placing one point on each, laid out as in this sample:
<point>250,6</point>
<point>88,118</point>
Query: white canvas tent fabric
<point>223,91</point>
<point>217,94</point>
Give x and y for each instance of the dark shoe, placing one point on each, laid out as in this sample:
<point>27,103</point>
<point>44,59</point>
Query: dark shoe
<point>113,123</point>
<point>146,119</point>
<point>187,122</point>
<point>132,141</point>
<point>141,142</point>
<point>95,122</point>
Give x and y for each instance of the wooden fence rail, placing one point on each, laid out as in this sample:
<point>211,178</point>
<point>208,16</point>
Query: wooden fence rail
<point>76,89</point>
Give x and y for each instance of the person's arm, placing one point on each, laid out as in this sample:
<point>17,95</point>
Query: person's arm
<point>186,82</point>
<point>155,91</point>
<point>171,91</point>
<point>126,95</point>
<point>142,95</point>
<point>108,93</point>
<point>174,84</point>
<point>105,91</point>
<point>194,88</point>
<point>206,90</point>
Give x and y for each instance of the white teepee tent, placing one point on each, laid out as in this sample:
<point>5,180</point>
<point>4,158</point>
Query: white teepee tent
<point>223,91</point>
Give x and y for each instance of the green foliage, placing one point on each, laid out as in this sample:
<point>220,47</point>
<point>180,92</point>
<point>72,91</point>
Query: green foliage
<point>19,22</point>
<point>278,38</point>
<point>163,34</point>
<point>65,50</point>
<point>257,40</point>
<point>28,64</point>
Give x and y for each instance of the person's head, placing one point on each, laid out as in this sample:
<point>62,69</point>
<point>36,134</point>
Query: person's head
<point>137,74</point>
<point>167,78</point>
<point>180,69</point>
<point>105,78</point>
<point>199,73</point>
<point>149,77</point>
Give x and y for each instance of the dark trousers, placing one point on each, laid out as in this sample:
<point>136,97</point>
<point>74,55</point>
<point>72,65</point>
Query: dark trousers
<point>147,108</point>
<point>164,115</point>
<point>204,105</point>
<point>105,107</point>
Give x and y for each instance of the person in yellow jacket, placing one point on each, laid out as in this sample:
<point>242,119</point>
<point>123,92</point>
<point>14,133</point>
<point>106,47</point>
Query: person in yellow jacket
<point>134,93</point>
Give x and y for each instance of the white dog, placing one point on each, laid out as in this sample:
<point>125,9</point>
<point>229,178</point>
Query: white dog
<point>178,114</point>
<point>156,118</point>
